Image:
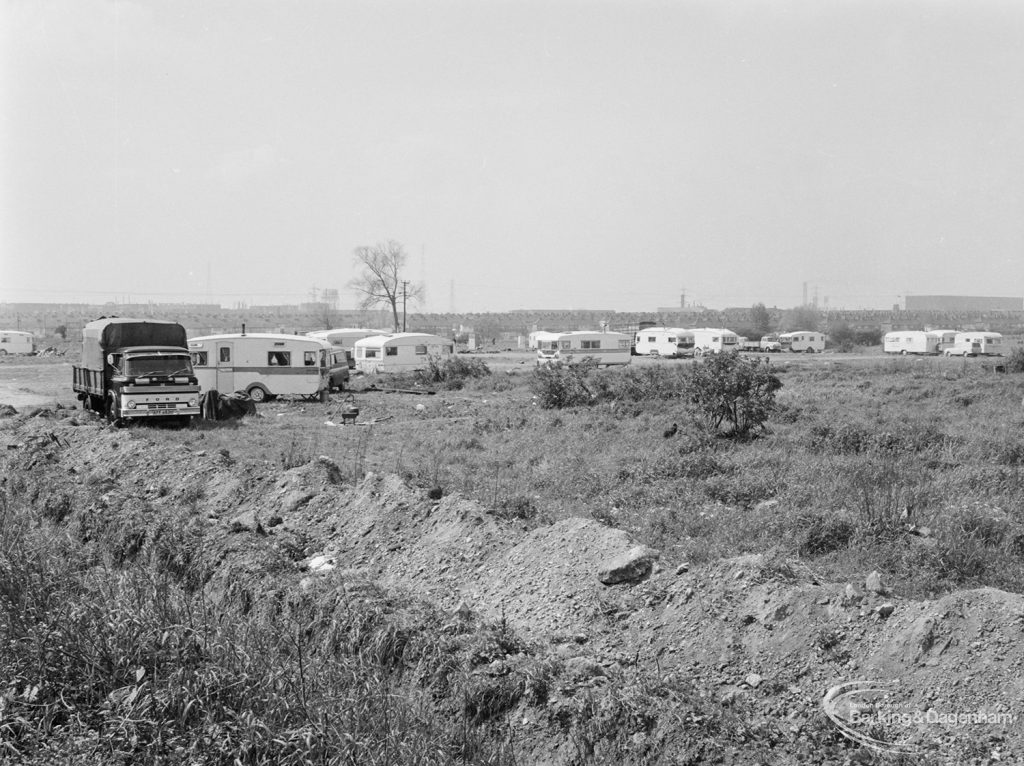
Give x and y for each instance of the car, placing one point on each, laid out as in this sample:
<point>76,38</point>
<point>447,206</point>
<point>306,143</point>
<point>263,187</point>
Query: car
<point>963,348</point>
<point>340,363</point>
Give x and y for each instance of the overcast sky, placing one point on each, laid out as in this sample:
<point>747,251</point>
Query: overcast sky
<point>606,155</point>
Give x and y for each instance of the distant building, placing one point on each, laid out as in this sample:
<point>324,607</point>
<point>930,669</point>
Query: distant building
<point>962,303</point>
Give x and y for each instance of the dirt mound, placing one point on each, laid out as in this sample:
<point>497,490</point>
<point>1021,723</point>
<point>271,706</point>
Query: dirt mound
<point>758,631</point>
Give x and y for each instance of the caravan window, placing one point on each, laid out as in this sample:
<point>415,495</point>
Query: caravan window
<point>565,344</point>
<point>371,353</point>
<point>279,358</point>
<point>391,351</point>
<point>225,353</point>
<point>421,350</point>
<point>309,358</point>
<point>199,358</point>
<point>590,344</point>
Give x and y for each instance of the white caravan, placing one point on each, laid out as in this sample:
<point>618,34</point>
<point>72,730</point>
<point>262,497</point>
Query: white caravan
<point>945,338</point>
<point>344,337</point>
<point>910,342</point>
<point>264,365</point>
<point>989,343</point>
<point>606,348</point>
<point>16,342</point>
<point>803,340</point>
<point>714,340</point>
<point>663,341</point>
<point>400,352</point>
<point>535,338</point>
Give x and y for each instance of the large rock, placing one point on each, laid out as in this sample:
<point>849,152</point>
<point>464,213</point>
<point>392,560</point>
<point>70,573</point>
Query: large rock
<point>632,566</point>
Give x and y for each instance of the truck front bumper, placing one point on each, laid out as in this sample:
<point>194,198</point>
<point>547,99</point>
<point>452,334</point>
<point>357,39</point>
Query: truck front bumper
<point>159,404</point>
<point>159,410</point>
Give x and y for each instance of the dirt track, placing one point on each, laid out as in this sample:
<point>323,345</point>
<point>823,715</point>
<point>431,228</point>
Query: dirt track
<point>26,385</point>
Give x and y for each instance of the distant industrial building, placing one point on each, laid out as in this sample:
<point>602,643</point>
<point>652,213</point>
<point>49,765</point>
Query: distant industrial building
<point>962,303</point>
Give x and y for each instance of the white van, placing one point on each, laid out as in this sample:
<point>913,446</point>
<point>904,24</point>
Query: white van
<point>803,340</point>
<point>714,340</point>
<point>989,343</point>
<point>910,342</point>
<point>607,348</point>
<point>671,342</point>
<point>400,352</point>
<point>16,342</point>
<point>264,365</point>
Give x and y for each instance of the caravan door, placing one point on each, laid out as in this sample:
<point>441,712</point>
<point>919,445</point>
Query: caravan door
<point>225,367</point>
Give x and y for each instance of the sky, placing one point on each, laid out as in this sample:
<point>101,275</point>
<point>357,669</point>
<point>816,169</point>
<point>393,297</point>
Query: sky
<point>613,154</point>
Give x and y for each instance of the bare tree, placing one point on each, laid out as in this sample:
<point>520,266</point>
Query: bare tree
<point>380,279</point>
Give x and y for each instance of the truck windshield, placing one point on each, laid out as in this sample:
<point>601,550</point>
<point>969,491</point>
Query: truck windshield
<point>158,366</point>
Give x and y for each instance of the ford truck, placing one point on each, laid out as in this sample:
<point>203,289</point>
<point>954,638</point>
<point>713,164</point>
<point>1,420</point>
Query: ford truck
<point>135,369</point>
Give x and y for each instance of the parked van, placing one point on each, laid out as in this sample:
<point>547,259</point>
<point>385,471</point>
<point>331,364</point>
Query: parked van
<point>400,352</point>
<point>803,340</point>
<point>989,343</point>
<point>910,342</point>
<point>663,341</point>
<point>264,365</point>
<point>606,348</point>
<point>340,365</point>
<point>713,340</point>
<point>16,342</point>
<point>963,348</point>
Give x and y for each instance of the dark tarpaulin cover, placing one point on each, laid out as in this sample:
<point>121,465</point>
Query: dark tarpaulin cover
<point>104,335</point>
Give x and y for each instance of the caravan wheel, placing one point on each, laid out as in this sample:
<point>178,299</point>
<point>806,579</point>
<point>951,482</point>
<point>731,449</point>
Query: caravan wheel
<point>257,393</point>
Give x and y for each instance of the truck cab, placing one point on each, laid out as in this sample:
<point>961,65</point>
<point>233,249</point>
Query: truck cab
<point>151,381</point>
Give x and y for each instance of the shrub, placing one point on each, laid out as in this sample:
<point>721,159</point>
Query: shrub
<point>563,385</point>
<point>453,372</point>
<point>1015,361</point>
<point>733,391</point>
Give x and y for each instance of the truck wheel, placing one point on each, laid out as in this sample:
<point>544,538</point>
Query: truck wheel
<point>112,409</point>
<point>257,394</point>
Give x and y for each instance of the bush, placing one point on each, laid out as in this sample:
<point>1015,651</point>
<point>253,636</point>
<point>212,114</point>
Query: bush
<point>1015,361</point>
<point>563,385</point>
<point>732,393</point>
<point>453,372</point>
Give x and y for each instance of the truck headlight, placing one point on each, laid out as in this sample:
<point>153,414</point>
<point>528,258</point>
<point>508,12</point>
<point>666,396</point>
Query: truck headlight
<point>131,405</point>
<point>192,403</point>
